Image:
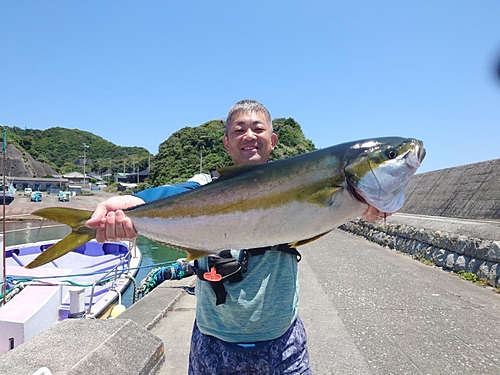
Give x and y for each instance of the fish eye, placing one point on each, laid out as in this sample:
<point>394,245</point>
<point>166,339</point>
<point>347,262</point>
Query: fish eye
<point>391,154</point>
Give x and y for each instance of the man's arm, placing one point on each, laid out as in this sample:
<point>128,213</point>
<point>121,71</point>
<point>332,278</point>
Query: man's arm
<point>112,223</point>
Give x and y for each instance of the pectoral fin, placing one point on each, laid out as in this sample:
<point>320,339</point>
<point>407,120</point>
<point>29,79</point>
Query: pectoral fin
<point>324,197</point>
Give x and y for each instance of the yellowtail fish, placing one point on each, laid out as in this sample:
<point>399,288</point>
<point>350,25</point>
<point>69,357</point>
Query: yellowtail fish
<point>294,201</point>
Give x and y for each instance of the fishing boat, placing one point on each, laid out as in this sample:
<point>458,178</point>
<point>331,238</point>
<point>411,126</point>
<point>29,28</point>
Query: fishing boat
<point>7,193</point>
<point>85,283</point>
<point>9,197</point>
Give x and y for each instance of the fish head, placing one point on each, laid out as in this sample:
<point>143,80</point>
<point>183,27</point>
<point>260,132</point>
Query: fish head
<point>378,170</point>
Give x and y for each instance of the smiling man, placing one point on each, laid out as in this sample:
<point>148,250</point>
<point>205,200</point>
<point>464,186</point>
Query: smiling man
<point>250,324</point>
<point>249,137</point>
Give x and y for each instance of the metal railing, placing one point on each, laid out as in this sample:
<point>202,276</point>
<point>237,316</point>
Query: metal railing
<point>128,257</point>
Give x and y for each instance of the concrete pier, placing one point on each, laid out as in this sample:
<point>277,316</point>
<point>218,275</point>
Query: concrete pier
<point>367,310</point>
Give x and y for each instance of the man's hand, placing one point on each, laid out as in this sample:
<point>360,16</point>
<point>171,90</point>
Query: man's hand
<point>111,222</point>
<point>372,214</point>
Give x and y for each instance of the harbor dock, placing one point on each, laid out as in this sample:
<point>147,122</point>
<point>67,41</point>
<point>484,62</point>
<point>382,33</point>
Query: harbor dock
<point>367,310</point>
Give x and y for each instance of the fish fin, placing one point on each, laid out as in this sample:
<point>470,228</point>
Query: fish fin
<point>67,244</point>
<point>195,254</point>
<point>232,171</point>
<point>303,242</point>
<point>79,235</point>
<point>69,216</point>
<point>324,197</point>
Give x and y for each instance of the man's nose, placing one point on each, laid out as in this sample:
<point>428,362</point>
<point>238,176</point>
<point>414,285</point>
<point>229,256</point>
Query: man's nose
<point>249,134</point>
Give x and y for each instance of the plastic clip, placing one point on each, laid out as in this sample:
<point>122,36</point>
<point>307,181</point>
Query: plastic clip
<point>212,275</point>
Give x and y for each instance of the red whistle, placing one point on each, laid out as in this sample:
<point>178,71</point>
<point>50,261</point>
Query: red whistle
<point>212,275</point>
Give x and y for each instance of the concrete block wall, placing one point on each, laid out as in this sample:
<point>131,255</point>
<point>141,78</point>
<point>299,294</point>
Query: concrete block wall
<point>451,251</point>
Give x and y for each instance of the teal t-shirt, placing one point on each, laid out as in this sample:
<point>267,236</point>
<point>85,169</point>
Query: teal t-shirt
<point>260,307</point>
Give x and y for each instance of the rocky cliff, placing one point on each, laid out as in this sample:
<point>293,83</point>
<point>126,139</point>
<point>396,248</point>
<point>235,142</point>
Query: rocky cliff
<point>21,164</point>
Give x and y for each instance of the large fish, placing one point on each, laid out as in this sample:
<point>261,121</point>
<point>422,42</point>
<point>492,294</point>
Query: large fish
<point>294,201</point>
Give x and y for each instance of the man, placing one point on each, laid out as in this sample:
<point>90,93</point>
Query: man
<point>252,326</point>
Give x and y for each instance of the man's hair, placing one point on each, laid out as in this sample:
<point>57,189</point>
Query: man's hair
<point>248,106</point>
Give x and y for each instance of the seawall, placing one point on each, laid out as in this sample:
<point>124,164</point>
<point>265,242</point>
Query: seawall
<point>469,191</point>
<point>426,238</point>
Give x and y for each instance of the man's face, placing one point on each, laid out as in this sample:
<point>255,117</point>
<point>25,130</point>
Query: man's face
<point>249,139</point>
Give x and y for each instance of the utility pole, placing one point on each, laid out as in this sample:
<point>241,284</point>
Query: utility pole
<point>201,157</point>
<point>84,162</point>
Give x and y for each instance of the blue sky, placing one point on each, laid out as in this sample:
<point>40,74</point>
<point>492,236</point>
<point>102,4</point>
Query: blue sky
<point>135,72</point>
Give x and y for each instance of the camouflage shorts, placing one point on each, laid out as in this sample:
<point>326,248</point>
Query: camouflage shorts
<point>285,355</point>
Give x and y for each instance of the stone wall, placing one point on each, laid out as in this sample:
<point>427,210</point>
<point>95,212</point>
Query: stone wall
<point>451,251</point>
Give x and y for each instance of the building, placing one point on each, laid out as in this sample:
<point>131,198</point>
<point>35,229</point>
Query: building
<point>48,184</point>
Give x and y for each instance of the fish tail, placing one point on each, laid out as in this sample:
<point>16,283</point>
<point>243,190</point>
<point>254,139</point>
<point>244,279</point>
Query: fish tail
<point>80,233</point>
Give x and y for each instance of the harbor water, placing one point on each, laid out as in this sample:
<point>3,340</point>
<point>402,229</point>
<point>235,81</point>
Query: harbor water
<point>153,254</point>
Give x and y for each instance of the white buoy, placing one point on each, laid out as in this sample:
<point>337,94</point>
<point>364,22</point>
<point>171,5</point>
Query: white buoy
<point>76,302</point>
<point>117,309</point>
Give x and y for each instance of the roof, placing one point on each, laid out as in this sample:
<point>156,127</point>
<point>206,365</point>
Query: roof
<point>130,186</point>
<point>73,175</point>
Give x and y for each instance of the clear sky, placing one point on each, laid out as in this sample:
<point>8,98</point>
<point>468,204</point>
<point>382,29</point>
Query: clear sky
<point>135,72</point>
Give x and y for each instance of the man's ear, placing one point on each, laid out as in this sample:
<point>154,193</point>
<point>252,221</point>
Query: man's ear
<point>274,140</point>
<point>226,142</point>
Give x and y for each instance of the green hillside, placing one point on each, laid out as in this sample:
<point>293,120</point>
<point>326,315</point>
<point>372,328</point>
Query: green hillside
<point>62,149</point>
<point>178,158</point>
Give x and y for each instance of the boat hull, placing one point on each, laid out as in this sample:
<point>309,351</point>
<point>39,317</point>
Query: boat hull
<point>46,299</point>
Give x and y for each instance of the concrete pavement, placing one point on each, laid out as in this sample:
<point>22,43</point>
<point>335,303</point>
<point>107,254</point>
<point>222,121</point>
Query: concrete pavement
<point>369,310</point>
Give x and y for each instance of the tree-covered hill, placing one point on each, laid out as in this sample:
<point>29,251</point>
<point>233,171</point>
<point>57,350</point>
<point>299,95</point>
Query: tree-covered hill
<point>63,150</point>
<point>180,156</point>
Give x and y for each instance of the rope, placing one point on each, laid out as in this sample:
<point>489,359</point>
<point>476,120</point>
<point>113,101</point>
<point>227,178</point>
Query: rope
<point>157,276</point>
<point>171,270</point>
<point>11,293</point>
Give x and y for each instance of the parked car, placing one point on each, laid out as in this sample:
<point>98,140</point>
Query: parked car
<point>64,196</point>
<point>27,192</point>
<point>36,196</point>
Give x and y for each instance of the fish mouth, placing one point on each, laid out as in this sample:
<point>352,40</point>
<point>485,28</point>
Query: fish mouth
<point>355,193</point>
<point>415,158</point>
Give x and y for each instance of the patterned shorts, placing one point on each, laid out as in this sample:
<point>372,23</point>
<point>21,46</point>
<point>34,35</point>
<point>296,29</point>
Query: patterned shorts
<point>285,355</point>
